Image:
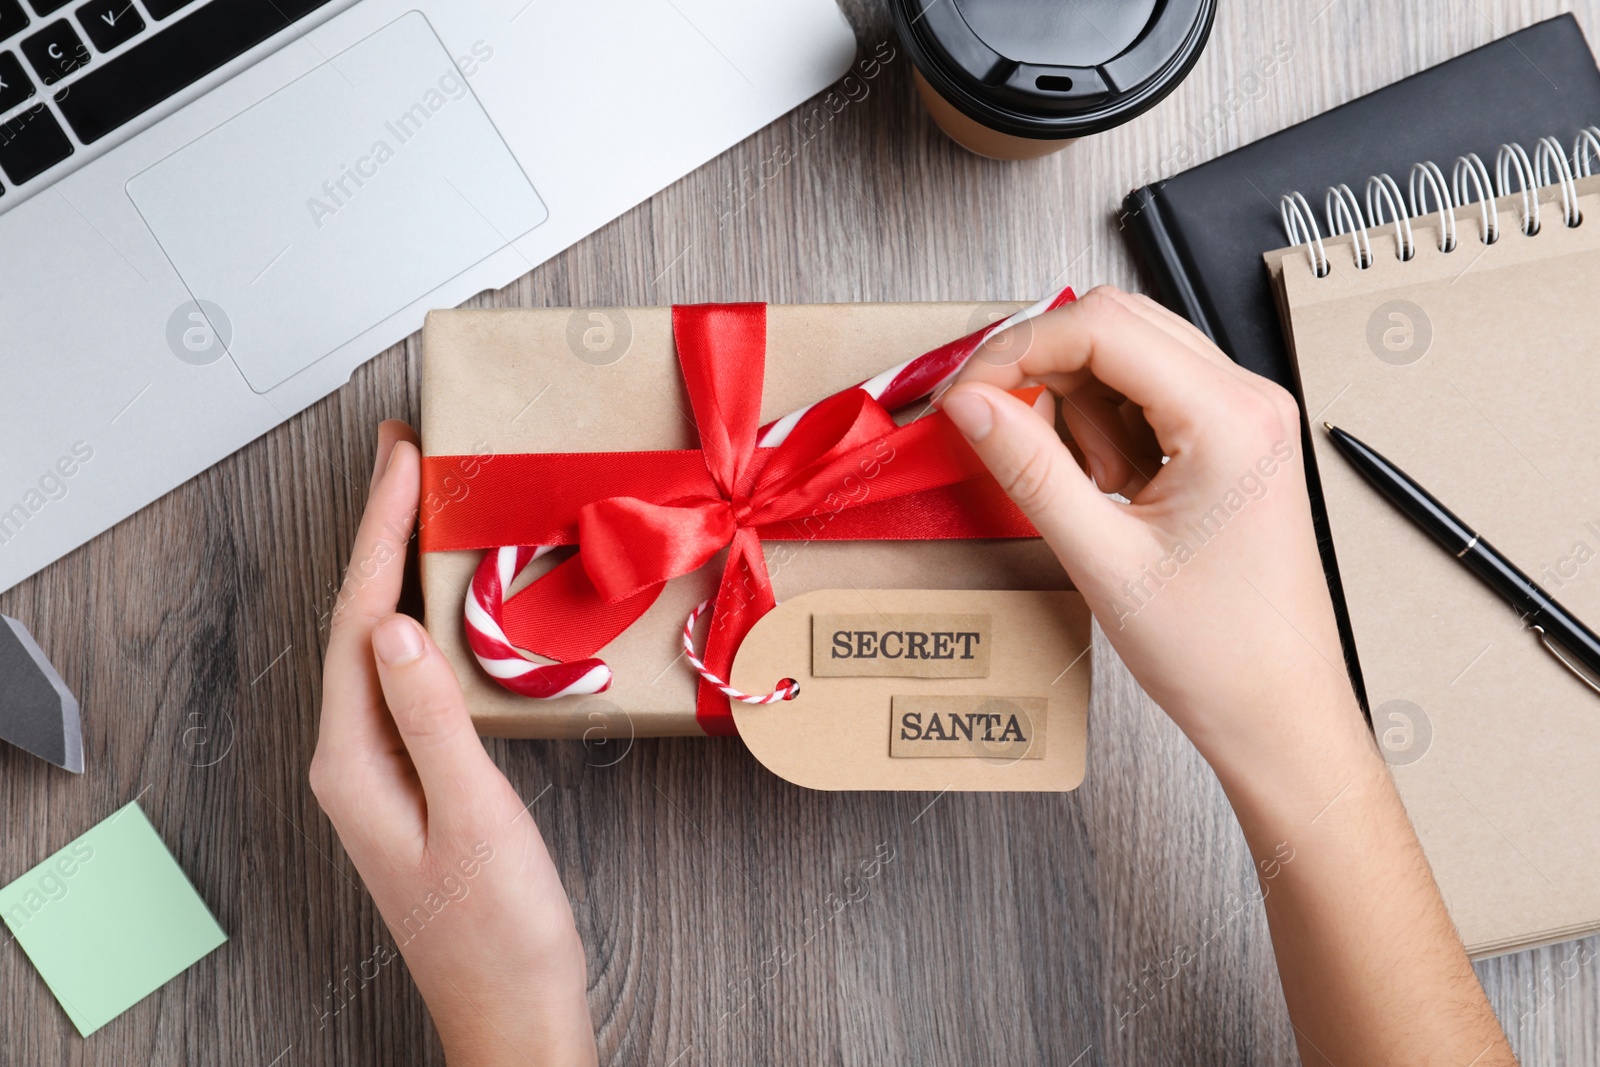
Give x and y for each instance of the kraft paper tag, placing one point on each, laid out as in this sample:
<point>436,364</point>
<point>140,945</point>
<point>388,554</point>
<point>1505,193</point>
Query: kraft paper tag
<point>968,728</point>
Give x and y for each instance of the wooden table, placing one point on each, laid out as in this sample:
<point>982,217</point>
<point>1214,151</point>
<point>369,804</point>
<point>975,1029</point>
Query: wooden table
<point>1008,929</point>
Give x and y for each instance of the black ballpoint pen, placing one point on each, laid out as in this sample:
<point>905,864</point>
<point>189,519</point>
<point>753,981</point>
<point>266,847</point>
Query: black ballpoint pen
<point>1557,627</point>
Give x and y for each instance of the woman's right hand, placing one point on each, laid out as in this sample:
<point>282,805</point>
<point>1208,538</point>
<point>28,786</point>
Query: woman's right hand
<point>1209,585</point>
<point>1207,582</point>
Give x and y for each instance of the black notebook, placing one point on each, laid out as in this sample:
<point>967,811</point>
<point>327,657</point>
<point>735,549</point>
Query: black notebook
<point>1201,234</point>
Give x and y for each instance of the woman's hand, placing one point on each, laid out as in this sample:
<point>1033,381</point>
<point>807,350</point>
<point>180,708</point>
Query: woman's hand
<point>452,858</point>
<point>1208,583</point>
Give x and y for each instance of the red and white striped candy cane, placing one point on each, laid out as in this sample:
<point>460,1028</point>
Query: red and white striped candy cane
<point>913,380</point>
<point>924,376</point>
<point>495,652</point>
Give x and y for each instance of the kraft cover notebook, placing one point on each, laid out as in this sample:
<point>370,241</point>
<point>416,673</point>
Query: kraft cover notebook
<point>1200,234</point>
<point>1474,370</point>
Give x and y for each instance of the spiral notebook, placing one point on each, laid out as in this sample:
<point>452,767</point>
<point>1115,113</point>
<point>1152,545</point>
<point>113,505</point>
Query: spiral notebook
<point>1200,234</point>
<point>1477,370</point>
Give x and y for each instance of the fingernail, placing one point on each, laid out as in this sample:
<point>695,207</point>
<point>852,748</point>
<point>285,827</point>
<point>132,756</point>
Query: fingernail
<point>397,641</point>
<point>1097,470</point>
<point>971,413</point>
<point>381,460</point>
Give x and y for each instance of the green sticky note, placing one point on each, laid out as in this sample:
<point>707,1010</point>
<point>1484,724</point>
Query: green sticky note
<point>109,919</point>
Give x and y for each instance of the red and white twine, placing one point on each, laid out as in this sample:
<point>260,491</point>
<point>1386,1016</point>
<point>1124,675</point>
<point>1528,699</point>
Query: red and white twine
<point>787,689</point>
<point>916,379</point>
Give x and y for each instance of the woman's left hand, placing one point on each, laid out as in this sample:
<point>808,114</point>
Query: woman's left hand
<point>448,850</point>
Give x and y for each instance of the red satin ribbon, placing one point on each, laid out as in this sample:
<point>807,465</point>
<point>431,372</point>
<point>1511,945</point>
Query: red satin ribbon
<point>846,472</point>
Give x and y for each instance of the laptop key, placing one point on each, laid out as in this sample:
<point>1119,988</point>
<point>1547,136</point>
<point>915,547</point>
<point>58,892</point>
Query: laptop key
<point>109,22</point>
<point>45,7</point>
<point>171,59</point>
<point>160,9</point>
<point>55,51</point>
<point>12,18</point>
<point>14,84</point>
<point>31,144</point>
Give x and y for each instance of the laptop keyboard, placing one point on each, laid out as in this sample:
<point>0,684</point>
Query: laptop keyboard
<point>109,22</point>
<point>93,67</point>
<point>55,51</point>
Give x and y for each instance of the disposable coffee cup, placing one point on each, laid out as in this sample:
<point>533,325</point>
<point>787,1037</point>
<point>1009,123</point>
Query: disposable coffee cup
<point>1018,79</point>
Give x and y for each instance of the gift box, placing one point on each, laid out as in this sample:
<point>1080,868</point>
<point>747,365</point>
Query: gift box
<point>603,390</point>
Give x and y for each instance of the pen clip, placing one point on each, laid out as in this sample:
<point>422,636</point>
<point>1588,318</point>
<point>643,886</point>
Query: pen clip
<point>1577,671</point>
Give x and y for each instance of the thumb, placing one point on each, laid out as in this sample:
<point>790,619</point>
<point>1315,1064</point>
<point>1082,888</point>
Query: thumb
<point>431,715</point>
<point>1035,469</point>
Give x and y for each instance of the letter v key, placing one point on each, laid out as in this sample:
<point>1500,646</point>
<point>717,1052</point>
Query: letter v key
<point>110,22</point>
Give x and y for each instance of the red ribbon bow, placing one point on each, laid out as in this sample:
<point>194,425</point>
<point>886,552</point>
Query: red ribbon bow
<point>846,472</point>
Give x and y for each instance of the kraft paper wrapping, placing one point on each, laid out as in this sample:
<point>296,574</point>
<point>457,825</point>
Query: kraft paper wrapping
<point>1484,390</point>
<point>590,380</point>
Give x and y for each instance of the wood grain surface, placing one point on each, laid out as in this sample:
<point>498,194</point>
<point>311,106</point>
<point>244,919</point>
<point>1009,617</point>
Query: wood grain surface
<point>1105,926</point>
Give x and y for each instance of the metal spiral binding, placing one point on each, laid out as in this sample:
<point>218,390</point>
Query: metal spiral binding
<point>1344,216</point>
<point>1545,154</point>
<point>1470,166</point>
<point>1511,156</point>
<point>1301,225</point>
<point>1588,137</point>
<point>1388,195</point>
<point>1470,183</point>
<point>1432,178</point>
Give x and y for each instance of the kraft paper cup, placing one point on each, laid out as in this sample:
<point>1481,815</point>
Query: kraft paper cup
<point>1019,79</point>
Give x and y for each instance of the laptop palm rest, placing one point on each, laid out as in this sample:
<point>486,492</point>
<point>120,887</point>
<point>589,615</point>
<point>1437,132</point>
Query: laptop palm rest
<point>337,201</point>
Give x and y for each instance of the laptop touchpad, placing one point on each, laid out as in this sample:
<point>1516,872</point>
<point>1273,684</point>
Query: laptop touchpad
<point>338,200</point>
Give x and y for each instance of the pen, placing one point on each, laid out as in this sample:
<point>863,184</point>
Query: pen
<point>1557,627</point>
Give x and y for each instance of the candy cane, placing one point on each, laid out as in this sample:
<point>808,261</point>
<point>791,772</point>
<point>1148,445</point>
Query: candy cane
<point>913,380</point>
<point>923,376</point>
<point>495,652</point>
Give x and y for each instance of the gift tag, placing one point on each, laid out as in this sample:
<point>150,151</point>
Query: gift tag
<point>925,689</point>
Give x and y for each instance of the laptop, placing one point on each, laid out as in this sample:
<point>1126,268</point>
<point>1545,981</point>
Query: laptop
<point>212,211</point>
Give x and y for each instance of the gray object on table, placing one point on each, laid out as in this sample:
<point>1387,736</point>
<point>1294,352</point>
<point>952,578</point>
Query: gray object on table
<point>38,713</point>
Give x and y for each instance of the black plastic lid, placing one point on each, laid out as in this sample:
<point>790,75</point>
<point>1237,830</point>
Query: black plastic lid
<point>1048,69</point>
